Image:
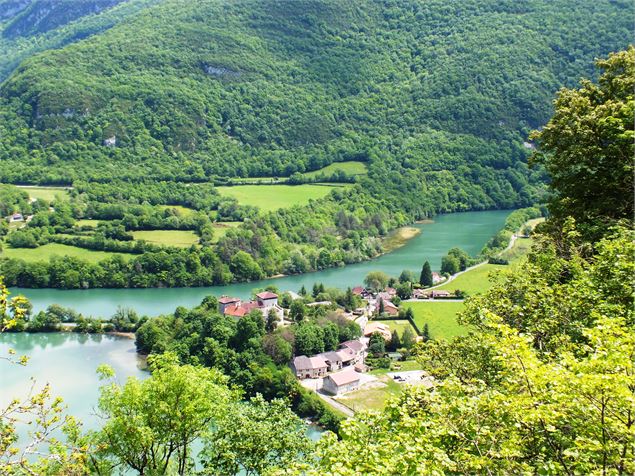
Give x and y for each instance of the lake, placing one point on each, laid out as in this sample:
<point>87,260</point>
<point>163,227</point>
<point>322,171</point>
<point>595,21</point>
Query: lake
<point>69,362</point>
<point>468,230</point>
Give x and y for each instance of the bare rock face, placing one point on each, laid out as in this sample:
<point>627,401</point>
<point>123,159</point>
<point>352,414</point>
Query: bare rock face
<point>111,141</point>
<point>10,8</point>
<point>220,71</point>
<point>39,16</point>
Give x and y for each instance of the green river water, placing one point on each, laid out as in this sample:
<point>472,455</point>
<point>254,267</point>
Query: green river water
<point>469,231</point>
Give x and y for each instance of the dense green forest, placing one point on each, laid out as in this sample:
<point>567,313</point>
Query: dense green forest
<point>436,98</point>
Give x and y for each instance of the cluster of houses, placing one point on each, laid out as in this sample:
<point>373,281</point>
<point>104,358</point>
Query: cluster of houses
<point>264,302</point>
<point>340,368</point>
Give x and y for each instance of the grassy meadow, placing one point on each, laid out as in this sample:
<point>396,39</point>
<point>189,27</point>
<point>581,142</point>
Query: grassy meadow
<point>46,193</point>
<point>351,168</point>
<point>440,317</point>
<point>273,197</point>
<point>475,281</point>
<point>46,252</point>
<point>178,238</point>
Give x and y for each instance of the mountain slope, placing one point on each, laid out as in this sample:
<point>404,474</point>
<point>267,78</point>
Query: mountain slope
<point>440,93</point>
<point>31,26</point>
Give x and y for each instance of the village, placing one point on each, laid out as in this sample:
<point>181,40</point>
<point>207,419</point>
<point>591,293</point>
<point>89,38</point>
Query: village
<point>334,373</point>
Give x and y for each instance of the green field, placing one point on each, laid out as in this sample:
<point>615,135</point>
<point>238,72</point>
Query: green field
<point>521,247</point>
<point>183,211</point>
<point>221,228</point>
<point>477,280</point>
<point>87,222</point>
<point>44,253</point>
<point>440,317</point>
<point>46,193</point>
<point>273,197</point>
<point>351,168</point>
<point>178,238</point>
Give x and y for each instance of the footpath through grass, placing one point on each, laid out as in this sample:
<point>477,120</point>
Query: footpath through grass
<point>272,197</point>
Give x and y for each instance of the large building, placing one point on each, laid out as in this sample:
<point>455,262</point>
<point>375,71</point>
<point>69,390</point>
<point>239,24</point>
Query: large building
<point>309,367</point>
<point>265,301</point>
<point>341,382</point>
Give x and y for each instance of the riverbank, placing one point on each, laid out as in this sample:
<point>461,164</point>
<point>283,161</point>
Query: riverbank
<point>399,237</point>
<point>467,230</point>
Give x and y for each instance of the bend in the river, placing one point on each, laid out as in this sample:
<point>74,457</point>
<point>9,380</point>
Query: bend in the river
<point>468,230</point>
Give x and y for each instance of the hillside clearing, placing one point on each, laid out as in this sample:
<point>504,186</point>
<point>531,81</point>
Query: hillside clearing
<point>46,193</point>
<point>272,197</point>
<point>349,168</point>
<point>178,238</point>
<point>45,252</point>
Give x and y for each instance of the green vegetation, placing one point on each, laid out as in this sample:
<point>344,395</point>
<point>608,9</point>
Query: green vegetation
<point>87,222</point>
<point>475,281</point>
<point>179,238</point>
<point>46,252</point>
<point>272,197</point>
<point>349,168</point>
<point>441,317</point>
<point>48,194</point>
<point>573,148</point>
<point>245,91</point>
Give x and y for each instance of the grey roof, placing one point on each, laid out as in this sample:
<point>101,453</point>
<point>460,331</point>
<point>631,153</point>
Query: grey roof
<point>331,356</point>
<point>302,362</point>
<point>344,377</point>
<point>354,345</point>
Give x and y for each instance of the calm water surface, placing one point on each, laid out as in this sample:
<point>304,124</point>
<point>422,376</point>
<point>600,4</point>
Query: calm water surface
<point>469,231</point>
<point>69,362</point>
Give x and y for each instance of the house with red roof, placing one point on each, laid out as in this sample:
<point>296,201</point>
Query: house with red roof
<point>265,301</point>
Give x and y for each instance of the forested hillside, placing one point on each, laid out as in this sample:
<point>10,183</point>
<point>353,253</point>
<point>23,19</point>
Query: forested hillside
<point>31,26</point>
<point>190,90</point>
<point>434,100</point>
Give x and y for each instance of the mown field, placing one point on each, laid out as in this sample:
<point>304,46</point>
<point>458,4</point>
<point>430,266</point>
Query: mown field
<point>273,197</point>
<point>45,252</point>
<point>178,238</point>
<point>440,317</point>
<point>350,168</point>
<point>477,280</point>
<point>46,193</point>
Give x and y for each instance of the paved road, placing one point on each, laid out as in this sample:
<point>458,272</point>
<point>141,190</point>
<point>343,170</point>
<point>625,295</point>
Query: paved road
<point>454,276</point>
<point>335,404</point>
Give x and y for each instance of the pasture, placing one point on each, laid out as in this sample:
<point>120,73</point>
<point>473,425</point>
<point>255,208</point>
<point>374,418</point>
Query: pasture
<point>177,238</point>
<point>46,252</point>
<point>46,193</point>
<point>272,197</point>
<point>350,168</point>
<point>440,317</point>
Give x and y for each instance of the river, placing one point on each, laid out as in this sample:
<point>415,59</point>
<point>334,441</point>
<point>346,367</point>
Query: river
<point>468,230</point>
